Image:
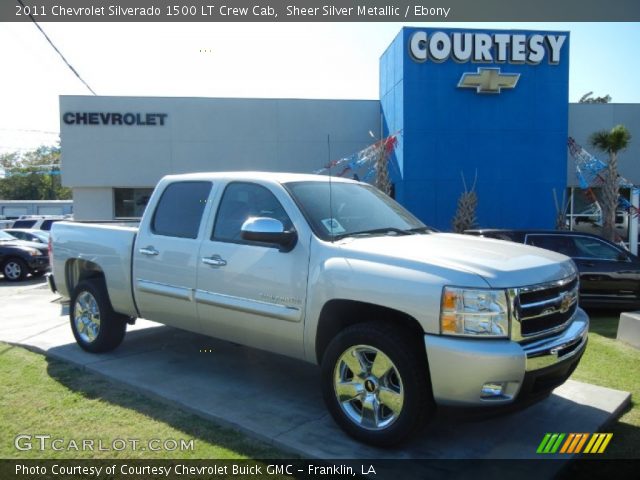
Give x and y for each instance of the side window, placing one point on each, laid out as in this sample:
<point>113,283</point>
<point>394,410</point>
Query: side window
<point>240,202</point>
<point>596,249</point>
<point>180,209</point>
<point>555,243</point>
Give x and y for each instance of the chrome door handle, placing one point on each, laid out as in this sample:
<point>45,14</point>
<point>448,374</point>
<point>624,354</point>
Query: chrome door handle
<point>214,260</point>
<point>148,251</point>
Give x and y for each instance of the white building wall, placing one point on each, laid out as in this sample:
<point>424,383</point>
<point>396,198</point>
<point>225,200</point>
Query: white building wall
<point>93,203</point>
<point>203,134</point>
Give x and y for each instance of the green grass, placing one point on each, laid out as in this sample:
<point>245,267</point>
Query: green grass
<point>610,363</point>
<point>41,395</point>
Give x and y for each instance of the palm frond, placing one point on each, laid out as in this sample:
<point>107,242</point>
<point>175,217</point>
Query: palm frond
<point>612,141</point>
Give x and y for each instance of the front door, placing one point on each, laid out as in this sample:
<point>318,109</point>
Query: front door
<point>606,272</point>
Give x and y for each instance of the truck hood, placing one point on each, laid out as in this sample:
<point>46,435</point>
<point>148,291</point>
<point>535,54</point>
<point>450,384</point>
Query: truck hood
<point>501,264</point>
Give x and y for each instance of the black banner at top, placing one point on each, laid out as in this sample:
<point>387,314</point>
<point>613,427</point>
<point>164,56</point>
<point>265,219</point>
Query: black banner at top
<point>319,11</point>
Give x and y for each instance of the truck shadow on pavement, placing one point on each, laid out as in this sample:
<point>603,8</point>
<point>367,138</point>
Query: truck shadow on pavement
<point>278,400</point>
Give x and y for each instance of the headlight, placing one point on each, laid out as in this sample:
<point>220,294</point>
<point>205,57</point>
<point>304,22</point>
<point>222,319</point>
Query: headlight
<point>474,312</point>
<point>34,253</point>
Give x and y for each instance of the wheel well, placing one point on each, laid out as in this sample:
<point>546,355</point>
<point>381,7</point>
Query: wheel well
<point>12,257</point>
<point>337,315</point>
<point>77,270</point>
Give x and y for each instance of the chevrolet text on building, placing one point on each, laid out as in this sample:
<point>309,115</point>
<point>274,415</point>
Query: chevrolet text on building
<point>485,48</point>
<point>113,118</point>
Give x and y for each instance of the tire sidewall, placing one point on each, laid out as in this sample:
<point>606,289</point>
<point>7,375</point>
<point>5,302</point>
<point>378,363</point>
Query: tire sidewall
<point>112,326</point>
<point>418,403</point>
<point>23,269</point>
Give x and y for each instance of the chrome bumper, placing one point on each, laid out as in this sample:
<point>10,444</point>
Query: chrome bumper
<point>461,367</point>
<point>549,351</point>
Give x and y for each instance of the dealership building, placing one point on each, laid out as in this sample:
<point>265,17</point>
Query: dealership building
<point>485,105</point>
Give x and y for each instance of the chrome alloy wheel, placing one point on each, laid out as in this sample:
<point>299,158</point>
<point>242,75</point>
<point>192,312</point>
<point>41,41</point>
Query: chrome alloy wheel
<point>86,316</point>
<point>13,270</point>
<point>368,387</point>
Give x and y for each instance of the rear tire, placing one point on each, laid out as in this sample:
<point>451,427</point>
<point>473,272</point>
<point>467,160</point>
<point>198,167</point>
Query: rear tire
<point>375,382</point>
<point>95,326</point>
<point>14,269</point>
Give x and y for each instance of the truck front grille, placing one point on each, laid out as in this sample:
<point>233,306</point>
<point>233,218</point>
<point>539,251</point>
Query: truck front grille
<point>546,308</point>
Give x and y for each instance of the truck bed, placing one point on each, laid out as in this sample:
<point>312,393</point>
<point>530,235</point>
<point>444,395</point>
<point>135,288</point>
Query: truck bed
<point>106,244</point>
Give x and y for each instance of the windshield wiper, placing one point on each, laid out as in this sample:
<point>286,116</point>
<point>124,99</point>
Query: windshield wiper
<point>374,231</point>
<point>421,230</point>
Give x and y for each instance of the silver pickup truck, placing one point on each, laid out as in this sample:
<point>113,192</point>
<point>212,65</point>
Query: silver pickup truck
<point>331,271</point>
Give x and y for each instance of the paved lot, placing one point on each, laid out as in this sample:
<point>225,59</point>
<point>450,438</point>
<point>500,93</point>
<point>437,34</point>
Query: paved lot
<point>278,399</point>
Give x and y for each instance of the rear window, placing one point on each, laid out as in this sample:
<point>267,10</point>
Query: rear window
<point>24,223</point>
<point>180,209</point>
<point>46,225</point>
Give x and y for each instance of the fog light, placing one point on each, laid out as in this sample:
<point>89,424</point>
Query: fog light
<point>490,390</point>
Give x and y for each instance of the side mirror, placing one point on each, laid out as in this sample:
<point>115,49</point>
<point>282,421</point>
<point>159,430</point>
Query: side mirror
<point>623,257</point>
<point>268,230</point>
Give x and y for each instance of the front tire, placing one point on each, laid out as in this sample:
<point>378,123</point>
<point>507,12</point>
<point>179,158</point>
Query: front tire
<point>15,270</point>
<point>95,326</point>
<point>375,382</point>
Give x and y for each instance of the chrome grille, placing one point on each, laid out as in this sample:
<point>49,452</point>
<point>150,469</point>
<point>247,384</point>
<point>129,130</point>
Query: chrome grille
<point>545,308</point>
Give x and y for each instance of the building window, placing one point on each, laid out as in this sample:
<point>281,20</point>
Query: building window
<point>130,202</point>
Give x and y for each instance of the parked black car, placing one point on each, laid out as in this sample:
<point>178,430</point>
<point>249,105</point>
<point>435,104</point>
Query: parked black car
<point>19,258</point>
<point>609,274</point>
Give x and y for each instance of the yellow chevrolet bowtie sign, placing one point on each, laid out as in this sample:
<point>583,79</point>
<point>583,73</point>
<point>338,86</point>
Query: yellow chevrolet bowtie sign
<point>488,80</point>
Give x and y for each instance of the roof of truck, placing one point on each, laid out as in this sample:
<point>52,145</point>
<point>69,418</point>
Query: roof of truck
<point>278,177</point>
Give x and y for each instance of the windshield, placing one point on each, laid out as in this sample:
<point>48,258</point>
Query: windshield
<point>354,209</point>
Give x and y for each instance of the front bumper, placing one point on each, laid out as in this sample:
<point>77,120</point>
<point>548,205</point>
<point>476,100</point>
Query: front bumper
<point>461,367</point>
<point>39,263</point>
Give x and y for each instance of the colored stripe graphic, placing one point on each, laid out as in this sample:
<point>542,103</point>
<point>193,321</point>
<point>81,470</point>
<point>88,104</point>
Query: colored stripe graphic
<point>550,443</point>
<point>574,443</point>
<point>598,443</point>
<point>543,443</point>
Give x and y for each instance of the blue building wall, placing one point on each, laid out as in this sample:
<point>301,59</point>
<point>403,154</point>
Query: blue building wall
<point>515,140</point>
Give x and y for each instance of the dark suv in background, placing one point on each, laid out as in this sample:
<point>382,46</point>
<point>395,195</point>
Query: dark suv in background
<point>609,274</point>
<point>19,258</point>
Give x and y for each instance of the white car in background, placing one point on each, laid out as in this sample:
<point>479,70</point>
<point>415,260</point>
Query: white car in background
<point>29,234</point>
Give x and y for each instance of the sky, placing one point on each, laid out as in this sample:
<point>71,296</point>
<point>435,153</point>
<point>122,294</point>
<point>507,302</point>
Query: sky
<point>258,60</point>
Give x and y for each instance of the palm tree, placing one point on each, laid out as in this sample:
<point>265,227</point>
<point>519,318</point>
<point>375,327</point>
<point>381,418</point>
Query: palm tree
<point>611,142</point>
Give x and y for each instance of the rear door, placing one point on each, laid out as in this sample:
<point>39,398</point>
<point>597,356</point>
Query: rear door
<point>252,293</point>
<point>165,257</point>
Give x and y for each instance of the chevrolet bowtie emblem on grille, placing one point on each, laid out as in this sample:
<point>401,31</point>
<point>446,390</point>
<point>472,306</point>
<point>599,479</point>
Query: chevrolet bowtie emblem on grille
<point>488,80</point>
<point>565,302</point>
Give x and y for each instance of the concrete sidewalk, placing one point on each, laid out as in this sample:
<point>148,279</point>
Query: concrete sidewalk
<point>278,399</point>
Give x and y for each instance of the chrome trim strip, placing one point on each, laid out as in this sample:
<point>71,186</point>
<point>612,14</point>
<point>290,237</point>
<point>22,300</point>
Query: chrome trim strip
<point>166,290</point>
<point>273,310</point>
<point>547,313</point>
<point>547,285</point>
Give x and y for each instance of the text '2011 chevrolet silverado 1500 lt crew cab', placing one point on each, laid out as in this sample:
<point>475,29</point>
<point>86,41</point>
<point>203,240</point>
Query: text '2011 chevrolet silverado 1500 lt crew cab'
<point>334,272</point>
